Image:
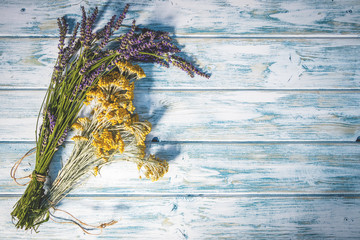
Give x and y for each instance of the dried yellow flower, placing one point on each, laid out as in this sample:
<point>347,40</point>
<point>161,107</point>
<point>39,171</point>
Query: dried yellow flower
<point>77,126</point>
<point>77,138</point>
<point>96,170</point>
<point>107,142</point>
<point>154,168</point>
<point>131,69</point>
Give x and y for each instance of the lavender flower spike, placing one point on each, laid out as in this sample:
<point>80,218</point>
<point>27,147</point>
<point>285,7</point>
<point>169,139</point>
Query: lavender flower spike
<point>107,33</point>
<point>83,24</point>
<point>73,37</point>
<point>52,121</point>
<point>88,28</point>
<point>121,18</point>
<point>63,137</point>
<point>62,29</point>
<point>88,80</point>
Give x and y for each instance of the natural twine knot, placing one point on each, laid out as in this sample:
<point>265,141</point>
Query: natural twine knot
<point>34,175</point>
<point>84,226</point>
<point>39,177</point>
<point>42,178</point>
<point>104,225</point>
<point>17,164</point>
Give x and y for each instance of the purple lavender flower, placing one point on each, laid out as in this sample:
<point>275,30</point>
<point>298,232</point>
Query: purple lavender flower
<point>126,38</point>
<point>57,68</point>
<point>121,18</point>
<point>60,79</point>
<point>89,36</point>
<point>93,16</point>
<point>52,121</point>
<point>66,53</point>
<point>88,80</point>
<point>63,30</point>
<point>88,64</point>
<point>73,37</point>
<point>63,137</point>
<point>153,46</point>
<point>146,46</point>
<point>187,67</point>
<point>107,33</point>
<point>44,143</point>
<point>83,24</point>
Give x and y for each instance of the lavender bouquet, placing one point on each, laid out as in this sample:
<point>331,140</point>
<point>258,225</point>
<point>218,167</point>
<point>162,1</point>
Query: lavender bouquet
<point>80,64</point>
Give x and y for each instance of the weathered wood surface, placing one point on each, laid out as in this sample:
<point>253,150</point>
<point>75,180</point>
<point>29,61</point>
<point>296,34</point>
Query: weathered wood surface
<point>189,17</point>
<point>263,149</point>
<point>217,115</point>
<point>204,218</point>
<point>210,168</point>
<point>235,64</point>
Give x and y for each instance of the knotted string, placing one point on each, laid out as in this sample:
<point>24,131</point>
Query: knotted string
<point>42,178</point>
<point>81,224</point>
<point>35,175</point>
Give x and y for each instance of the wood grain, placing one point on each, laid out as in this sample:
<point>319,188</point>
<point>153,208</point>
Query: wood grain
<point>214,168</point>
<point>234,64</point>
<point>264,149</point>
<point>199,18</point>
<point>216,115</point>
<point>203,218</point>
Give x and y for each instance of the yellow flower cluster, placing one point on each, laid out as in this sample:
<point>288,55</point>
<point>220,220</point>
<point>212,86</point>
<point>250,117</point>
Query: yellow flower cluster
<point>113,97</point>
<point>96,170</point>
<point>77,126</point>
<point>105,143</point>
<point>154,168</point>
<point>139,129</point>
<point>116,116</point>
<point>80,125</point>
<point>83,121</point>
<point>132,69</point>
<point>108,80</point>
<point>114,122</point>
<point>78,138</point>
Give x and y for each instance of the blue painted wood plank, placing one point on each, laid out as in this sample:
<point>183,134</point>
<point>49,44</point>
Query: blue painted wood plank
<point>200,17</point>
<point>224,137</point>
<point>202,218</point>
<point>216,115</point>
<point>208,168</point>
<point>234,64</point>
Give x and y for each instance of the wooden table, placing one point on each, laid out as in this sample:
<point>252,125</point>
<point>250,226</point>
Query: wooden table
<point>264,149</point>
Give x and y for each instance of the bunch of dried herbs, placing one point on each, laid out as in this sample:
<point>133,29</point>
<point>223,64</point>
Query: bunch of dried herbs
<point>86,58</point>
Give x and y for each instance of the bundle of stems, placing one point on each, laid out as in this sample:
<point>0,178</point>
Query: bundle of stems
<point>79,66</point>
<point>112,133</point>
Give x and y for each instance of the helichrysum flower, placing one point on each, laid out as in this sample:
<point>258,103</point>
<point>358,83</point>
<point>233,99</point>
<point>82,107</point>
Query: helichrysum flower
<point>111,130</point>
<point>154,168</point>
<point>113,104</point>
<point>79,138</point>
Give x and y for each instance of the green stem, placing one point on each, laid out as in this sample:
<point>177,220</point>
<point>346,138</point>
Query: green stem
<point>154,55</point>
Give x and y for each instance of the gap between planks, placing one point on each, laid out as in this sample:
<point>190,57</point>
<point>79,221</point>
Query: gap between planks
<point>285,142</point>
<point>139,89</point>
<point>202,195</point>
<point>215,36</point>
